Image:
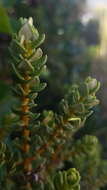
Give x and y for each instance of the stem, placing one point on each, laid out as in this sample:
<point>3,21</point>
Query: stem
<point>59,133</point>
<point>26,132</point>
<point>25,120</point>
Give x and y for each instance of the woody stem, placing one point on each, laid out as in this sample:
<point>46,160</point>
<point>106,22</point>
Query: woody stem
<point>25,120</point>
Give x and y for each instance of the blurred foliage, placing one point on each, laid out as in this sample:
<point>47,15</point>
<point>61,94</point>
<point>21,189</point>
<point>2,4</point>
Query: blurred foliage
<point>5,26</point>
<point>87,159</point>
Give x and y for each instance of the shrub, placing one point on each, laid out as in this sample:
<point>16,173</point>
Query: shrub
<point>35,145</point>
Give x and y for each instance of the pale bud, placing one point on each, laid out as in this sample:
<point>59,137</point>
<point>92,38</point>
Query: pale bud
<point>28,30</point>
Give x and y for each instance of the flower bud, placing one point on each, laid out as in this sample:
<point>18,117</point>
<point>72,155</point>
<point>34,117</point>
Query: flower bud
<point>67,180</point>
<point>28,30</point>
<point>92,84</point>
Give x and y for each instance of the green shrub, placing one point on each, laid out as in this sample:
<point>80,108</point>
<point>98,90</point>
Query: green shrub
<point>35,145</point>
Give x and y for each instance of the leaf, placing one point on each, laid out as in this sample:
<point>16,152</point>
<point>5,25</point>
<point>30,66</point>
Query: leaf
<point>39,41</point>
<point>39,87</point>
<point>40,62</point>
<point>17,73</point>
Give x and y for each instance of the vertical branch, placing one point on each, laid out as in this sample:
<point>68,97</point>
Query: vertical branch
<point>25,119</point>
<point>28,63</point>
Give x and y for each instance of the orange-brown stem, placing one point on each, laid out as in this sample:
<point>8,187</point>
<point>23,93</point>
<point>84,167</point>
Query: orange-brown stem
<point>58,133</point>
<point>25,120</point>
<point>43,148</point>
<point>59,154</point>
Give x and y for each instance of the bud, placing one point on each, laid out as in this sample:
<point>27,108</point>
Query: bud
<point>67,180</point>
<point>28,32</point>
<point>92,84</point>
<point>73,177</point>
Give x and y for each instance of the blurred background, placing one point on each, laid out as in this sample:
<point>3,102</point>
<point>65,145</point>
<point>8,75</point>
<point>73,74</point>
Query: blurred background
<point>76,45</point>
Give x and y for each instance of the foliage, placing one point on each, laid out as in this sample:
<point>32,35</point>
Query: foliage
<point>65,180</point>
<point>31,155</point>
<point>87,159</point>
<point>5,26</point>
<point>64,29</point>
